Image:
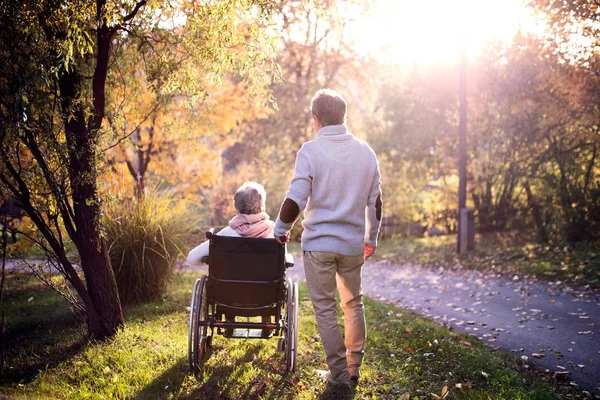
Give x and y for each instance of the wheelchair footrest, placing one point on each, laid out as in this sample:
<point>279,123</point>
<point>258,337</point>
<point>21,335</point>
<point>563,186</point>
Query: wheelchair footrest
<point>244,333</point>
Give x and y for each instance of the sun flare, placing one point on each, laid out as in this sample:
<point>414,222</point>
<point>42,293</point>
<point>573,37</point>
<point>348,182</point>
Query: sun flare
<point>428,32</point>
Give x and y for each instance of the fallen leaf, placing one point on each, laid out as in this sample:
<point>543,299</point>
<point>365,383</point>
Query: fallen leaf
<point>445,391</point>
<point>537,355</point>
<point>561,375</point>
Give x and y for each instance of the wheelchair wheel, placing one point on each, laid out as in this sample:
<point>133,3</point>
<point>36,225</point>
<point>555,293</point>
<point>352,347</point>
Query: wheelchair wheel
<point>290,342</point>
<point>198,339</point>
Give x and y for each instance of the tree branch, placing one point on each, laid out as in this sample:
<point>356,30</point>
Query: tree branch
<point>61,198</point>
<point>136,9</point>
<point>118,142</point>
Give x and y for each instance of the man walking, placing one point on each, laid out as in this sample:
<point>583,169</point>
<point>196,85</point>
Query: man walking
<point>337,184</point>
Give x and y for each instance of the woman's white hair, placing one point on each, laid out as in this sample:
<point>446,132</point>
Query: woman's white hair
<point>250,198</point>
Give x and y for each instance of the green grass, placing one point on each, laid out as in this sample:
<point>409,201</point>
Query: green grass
<point>406,357</point>
<point>507,254</point>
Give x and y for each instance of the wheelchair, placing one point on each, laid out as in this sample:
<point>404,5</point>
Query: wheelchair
<point>246,278</point>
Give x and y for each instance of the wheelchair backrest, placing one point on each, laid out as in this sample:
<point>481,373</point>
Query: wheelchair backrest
<point>245,272</point>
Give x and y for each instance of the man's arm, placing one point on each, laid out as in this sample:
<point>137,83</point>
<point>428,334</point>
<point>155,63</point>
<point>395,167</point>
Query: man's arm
<point>296,197</point>
<point>373,212</point>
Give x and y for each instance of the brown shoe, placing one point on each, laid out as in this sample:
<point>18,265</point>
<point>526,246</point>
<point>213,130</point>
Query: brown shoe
<point>354,372</point>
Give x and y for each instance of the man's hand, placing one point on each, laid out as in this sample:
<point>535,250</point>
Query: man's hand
<point>283,239</point>
<point>369,251</point>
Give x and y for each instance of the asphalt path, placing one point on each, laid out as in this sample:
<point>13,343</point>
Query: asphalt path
<point>550,324</point>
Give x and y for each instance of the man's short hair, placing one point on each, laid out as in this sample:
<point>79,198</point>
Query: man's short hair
<point>329,107</point>
<point>250,198</point>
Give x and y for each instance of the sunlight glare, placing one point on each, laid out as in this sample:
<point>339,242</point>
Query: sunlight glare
<point>428,32</point>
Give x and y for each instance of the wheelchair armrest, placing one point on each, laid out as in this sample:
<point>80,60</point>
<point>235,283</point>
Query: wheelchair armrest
<point>289,260</point>
<point>204,259</point>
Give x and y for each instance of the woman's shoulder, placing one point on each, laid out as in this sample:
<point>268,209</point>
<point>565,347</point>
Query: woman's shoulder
<point>228,231</point>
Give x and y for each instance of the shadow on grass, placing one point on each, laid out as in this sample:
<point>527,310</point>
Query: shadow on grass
<point>338,392</point>
<point>169,381</point>
<point>215,381</point>
<point>25,346</point>
<point>223,377</point>
<point>41,331</point>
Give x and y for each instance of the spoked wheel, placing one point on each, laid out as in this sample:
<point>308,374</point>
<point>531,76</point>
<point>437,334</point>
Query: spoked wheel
<point>290,340</point>
<point>198,339</point>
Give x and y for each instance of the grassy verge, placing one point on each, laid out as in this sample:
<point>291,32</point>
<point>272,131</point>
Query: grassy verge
<point>507,254</point>
<point>408,357</point>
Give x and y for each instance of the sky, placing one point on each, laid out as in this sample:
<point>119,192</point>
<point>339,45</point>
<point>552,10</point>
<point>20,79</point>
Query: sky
<point>427,32</point>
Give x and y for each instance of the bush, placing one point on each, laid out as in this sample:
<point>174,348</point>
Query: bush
<point>145,237</point>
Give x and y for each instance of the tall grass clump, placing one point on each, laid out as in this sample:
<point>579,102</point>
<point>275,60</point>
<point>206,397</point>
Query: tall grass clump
<point>145,236</point>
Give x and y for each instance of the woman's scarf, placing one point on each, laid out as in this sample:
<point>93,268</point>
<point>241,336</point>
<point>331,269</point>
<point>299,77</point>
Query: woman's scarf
<point>252,225</point>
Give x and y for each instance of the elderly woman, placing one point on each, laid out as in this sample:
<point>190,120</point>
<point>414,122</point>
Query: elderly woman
<point>251,221</point>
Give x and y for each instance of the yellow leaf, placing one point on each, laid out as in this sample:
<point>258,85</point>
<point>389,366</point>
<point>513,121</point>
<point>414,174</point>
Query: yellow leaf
<point>445,391</point>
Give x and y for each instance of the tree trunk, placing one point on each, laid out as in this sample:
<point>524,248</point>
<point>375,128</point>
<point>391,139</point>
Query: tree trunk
<point>537,214</point>
<point>105,315</point>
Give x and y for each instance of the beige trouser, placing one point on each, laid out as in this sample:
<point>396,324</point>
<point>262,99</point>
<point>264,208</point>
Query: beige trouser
<point>322,269</point>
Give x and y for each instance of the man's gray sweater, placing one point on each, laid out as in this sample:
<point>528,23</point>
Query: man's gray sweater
<point>337,183</point>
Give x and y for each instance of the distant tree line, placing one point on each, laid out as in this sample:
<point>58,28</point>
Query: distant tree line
<point>533,136</point>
